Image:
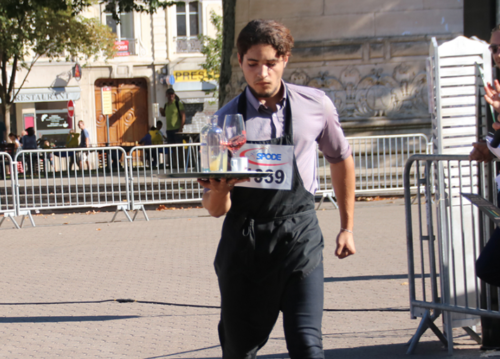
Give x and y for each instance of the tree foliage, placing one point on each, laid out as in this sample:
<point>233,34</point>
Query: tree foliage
<point>116,7</point>
<point>31,29</point>
<point>212,49</point>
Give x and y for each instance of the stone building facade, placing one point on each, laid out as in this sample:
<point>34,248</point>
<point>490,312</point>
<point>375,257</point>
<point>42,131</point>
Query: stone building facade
<point>368,56</point>
<point>153,49</point>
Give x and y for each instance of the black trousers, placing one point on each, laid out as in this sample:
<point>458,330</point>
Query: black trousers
<point>247,323</point>
<point>173,137</point>
<point>488,263</point>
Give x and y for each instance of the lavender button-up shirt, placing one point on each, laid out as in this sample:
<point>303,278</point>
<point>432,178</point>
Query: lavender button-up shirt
<point>315,120</point>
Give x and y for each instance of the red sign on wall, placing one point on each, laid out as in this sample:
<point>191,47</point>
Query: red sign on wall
<point>71,108</point>
<point>122,48</point>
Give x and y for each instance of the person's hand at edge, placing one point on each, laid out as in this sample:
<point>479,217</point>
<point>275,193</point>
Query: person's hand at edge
<point>345,245</point>
<point>492,95</point>
<point>480,152</point>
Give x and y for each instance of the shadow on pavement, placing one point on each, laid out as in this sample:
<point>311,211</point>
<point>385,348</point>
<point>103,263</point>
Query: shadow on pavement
<point>371,277</point>
<point>90,318</point>
<point>393,351</point>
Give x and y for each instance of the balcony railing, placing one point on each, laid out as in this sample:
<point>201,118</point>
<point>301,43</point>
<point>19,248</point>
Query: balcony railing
<point>130,47</point>
<point>188,44</point>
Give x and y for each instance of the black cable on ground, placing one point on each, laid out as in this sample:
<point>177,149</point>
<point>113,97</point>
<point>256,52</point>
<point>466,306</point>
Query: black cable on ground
<point>199,306</point>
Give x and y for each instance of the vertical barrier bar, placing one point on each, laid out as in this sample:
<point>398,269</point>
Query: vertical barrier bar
<point>409,237</point>
<point>8,201</point>
<point>421,240</point>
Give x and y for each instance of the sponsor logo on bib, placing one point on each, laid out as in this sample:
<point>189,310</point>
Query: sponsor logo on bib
<point>260,157</point>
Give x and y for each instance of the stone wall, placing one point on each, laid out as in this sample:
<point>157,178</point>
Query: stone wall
<point>368,56</point>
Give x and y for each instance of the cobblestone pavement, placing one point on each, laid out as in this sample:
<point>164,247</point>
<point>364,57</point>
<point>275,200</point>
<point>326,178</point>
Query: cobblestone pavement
<point>59,282</point>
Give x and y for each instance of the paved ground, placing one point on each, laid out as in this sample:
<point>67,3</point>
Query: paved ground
<point>58,282</point>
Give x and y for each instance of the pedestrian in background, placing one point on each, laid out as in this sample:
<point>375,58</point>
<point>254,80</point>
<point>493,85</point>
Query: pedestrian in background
<point>175,117</point>
<point>30,160</point>
<point>84,143</point>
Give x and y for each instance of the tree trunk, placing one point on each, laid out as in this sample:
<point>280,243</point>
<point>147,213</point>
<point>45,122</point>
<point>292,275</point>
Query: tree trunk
<point>228,24</point>
<point>7,121</point>
<point>6,118</point>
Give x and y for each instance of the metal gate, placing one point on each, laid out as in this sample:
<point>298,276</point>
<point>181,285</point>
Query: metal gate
<point>443,243</point>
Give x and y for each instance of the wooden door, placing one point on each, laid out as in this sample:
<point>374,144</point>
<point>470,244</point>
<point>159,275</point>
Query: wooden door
<point>129,121</point>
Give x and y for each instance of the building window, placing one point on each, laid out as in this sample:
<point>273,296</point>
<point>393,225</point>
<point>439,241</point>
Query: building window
<point>125,39</point>
<point>188,27</point>
<point>188,21</point>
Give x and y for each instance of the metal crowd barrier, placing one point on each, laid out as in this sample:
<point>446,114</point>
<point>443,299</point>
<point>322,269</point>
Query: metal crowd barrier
<point>8,206</point>
<point>443,243</point>
<point>71,178</point>
<point>149,163</point>
<point>379,163</point>
<point>53,179</point>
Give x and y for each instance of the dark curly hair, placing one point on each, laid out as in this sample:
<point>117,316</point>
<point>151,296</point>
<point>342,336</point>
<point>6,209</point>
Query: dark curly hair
<point>268,32</point>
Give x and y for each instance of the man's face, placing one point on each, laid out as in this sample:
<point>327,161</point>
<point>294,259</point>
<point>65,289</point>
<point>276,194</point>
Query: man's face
<point>80,125</point>
<point>495,43</point>
<point>263,69</point>
<point>171,97</point>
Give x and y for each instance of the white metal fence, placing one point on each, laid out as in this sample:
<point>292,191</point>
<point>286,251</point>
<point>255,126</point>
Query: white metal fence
<point>379,162</point>
<point>146,163</point>
<point>98,177</point>
<point>71,178</point>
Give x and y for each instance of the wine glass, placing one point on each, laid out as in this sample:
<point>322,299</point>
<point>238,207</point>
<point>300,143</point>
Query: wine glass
<point>234,133</point>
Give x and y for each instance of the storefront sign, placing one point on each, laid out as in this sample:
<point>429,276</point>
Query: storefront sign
<point>122,48</point>
<point>51,121</point>
<point>156,110</point>
<point>191,76</point>
<point>47,96</point>
<point>107,101</point>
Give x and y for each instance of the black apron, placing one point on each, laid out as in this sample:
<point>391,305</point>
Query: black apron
<point>269,234</point>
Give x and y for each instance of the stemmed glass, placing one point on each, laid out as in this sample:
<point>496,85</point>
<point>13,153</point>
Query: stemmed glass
<point>234,132</point>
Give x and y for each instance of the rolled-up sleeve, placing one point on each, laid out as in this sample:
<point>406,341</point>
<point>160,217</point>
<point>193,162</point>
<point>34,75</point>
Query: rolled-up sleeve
<point>332,141</point>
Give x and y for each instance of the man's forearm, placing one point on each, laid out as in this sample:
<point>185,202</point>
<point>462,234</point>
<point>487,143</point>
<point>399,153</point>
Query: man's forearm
<point>344,184</point>
<point>217,204</point>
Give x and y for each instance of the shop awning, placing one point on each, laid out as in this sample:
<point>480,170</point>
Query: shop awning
<point>52,94</point>
<point>194,86</point>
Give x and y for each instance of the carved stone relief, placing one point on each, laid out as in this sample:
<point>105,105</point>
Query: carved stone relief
<point>400,94</point>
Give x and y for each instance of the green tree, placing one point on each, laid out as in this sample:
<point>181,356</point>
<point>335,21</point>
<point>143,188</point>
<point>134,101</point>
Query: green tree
<point>30,29</point>
<point>212,49</point>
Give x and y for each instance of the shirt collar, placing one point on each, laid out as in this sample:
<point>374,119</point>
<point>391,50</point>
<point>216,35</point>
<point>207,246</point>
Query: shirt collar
<point>255,103</point>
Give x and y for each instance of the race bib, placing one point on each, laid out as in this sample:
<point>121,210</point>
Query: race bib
<point>275,159</point>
